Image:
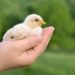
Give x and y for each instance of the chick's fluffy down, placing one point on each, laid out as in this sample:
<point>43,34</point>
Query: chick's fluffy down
<point>37,31</point>
<point>17,32</point>
<point>21,31</point>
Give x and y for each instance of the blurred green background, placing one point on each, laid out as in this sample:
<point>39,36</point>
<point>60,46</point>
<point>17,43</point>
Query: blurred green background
<point>59,57</point>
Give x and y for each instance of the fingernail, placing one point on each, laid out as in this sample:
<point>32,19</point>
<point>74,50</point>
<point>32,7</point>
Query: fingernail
<point>51,28</point>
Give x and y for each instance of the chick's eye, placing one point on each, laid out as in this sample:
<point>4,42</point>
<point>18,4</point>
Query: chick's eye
<point>36,20</point>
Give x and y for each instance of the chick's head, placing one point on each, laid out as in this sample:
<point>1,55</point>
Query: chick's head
<point>34,20</point>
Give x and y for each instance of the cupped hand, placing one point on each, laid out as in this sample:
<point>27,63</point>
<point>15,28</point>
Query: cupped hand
<point>24,52</point>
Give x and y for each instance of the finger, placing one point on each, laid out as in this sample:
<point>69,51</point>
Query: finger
<point>28,43</point>
<point>41,47</point>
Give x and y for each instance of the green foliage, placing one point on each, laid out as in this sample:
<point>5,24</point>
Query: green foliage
<point>48,64</point>
<point>72,7</point>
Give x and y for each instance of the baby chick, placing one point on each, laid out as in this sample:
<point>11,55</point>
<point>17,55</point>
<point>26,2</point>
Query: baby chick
<point>31,26</point>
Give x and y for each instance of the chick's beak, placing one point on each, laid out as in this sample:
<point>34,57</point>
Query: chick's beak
<point>43,22</point>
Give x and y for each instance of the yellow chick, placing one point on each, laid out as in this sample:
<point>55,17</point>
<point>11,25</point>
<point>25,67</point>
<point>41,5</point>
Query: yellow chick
<point>31,26</point>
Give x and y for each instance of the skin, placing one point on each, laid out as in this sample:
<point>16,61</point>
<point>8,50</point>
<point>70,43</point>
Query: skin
<point>14,54</point>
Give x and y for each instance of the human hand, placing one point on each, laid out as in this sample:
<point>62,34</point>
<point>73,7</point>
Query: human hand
<point>24,52</point>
